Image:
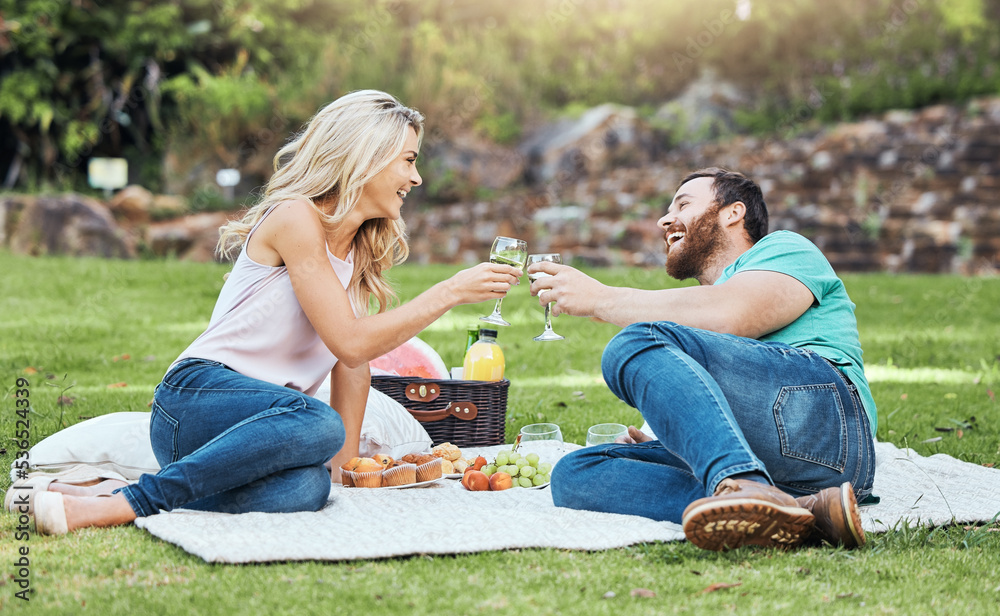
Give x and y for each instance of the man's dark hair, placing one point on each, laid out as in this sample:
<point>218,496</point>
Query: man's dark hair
<point>732,186</point>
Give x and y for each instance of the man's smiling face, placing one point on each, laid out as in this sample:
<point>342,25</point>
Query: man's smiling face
<point>691,229</point>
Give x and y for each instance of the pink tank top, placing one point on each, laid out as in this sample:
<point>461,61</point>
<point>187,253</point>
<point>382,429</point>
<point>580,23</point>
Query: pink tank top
<point>259,329</point>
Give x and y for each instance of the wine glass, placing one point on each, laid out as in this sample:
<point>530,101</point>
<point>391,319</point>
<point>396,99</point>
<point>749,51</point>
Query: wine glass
<point>551,257</point>
<point>605,433</point>
<point>541,432</point>
<point>508,251</point>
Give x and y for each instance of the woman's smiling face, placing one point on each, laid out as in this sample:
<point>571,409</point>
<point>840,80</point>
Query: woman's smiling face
<point>383,196</point>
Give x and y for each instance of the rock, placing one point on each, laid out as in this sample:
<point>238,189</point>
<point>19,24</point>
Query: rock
<point>461,167</point>
<point>192,238</point>
<point>704,110</point>
<point>132,203</point>
<point>575,148</point>
<point>68,224</point>
<point>169,205</point>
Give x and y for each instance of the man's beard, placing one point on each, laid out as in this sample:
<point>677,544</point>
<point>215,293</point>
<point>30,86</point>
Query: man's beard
<point>702,240</point>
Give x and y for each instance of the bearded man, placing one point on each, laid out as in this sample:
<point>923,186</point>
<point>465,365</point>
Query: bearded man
<point>752,382</point>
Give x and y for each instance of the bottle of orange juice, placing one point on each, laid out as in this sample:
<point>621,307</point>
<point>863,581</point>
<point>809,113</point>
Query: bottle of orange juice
<point>484,359</point>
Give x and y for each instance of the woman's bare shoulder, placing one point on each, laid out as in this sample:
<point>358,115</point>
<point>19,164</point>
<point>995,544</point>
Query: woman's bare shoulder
<point>290,221</point>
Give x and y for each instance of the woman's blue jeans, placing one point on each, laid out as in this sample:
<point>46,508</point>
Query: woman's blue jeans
<point>227,442</point>
<point>720,405</point>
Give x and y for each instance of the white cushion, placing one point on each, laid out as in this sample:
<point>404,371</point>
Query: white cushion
<point>387,428</point>
<point>117,442</point>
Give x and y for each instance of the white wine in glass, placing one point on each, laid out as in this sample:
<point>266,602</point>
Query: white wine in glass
<point>551,257</point>
<point>508,251</point>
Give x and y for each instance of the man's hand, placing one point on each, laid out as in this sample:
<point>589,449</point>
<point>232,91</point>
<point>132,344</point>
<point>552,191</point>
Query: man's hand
<point>635,435</point>
<point>571,291</point>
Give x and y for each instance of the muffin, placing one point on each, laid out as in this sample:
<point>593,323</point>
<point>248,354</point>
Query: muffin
<point>429,470</point>
<point>399,474</point>
<point>418,458</point>
<point>367,474</point>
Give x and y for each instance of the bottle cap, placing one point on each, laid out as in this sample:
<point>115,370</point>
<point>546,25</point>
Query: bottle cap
<point>488,332</point>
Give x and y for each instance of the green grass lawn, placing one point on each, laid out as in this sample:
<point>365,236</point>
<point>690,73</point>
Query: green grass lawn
<point>931,347</point>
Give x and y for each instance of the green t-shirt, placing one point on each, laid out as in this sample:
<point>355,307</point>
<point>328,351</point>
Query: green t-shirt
<point>828,327</point>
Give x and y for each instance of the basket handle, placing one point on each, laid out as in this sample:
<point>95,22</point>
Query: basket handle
<point>463,410</point>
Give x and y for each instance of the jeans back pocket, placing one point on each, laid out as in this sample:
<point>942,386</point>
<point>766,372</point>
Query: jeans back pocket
<point>812,425</point>
<point>163,435</point>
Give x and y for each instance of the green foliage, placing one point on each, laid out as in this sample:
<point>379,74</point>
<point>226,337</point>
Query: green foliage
<point>82,79</point>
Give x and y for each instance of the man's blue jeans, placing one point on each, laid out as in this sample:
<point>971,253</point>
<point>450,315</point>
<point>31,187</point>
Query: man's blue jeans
<point>720,405</point>
<point>227,442</point>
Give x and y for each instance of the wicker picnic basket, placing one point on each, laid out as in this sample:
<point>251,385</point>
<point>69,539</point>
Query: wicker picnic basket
<point>465,413</point>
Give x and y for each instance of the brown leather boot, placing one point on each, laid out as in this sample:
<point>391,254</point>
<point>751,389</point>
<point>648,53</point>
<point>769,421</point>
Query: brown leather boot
<point>837,519</point>
<point>744,512</point>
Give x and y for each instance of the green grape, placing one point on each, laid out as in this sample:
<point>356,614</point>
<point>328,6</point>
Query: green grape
<point>544,477</point>
<point>524,482</point>
<point>527,471</point>
<point>533,459</point>
<point>502,459</point>
<point>539,480</point>
<point>545,467</point>
<point>511,470</point>
<point>521,462</point>
<point>489,469</point>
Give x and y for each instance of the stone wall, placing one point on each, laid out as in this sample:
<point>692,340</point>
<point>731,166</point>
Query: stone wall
<point>904,192</point>
<point>907,191</point>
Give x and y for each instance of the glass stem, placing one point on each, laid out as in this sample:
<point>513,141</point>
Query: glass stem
<point>548,319</point>
<point>496,309</point>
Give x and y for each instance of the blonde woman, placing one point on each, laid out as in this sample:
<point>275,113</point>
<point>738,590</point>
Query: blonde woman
<point>233,424</point>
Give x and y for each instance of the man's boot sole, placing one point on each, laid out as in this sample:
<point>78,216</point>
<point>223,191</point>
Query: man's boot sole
<point>732,523</point>
<point>851,518</point>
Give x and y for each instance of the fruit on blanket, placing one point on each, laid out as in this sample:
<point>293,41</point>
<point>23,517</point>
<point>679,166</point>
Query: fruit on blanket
<point>475,481</point>
<point>500,481</point>
<point>479,463</point>
<point>523,471</point>
<point>413,358</point>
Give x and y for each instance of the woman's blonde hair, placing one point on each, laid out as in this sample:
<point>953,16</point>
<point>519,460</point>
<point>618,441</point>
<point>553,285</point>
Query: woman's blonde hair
<point>340,150</point>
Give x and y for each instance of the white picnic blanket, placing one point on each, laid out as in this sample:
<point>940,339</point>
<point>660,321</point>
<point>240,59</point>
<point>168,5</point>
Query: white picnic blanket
<point>446,519</point>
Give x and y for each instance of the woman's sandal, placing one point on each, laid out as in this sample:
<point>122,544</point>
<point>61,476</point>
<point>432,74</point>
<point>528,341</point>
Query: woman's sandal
<point>50,514</point>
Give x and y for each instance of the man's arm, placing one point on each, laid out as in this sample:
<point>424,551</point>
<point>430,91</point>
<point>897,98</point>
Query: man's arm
<point>750,304</point>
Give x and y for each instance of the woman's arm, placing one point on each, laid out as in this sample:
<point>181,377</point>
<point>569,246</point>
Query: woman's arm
<point>298,237</point>
<point>348,396</point>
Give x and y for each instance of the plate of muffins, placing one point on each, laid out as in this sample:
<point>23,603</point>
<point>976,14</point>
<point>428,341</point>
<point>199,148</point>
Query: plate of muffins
<point>382,471</point>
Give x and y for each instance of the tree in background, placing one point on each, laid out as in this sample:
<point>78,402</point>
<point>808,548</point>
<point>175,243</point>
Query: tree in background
<point>231,78</point>
<point>83,78</point>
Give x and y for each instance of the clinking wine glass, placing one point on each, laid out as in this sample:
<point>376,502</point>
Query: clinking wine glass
<point>551,257</point>
<point>508,251</point>
<point>605,433</point>
<point>541,432</point>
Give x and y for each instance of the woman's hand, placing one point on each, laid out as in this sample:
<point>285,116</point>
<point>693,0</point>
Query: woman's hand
<point>486,281</point>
